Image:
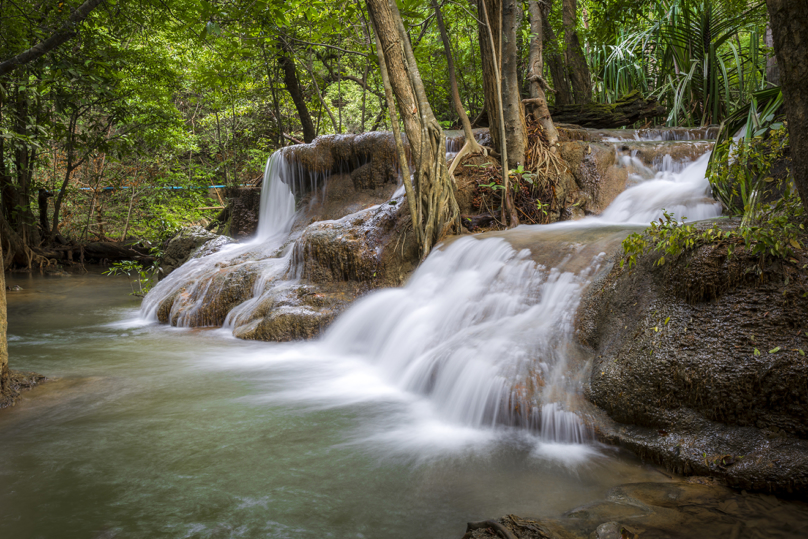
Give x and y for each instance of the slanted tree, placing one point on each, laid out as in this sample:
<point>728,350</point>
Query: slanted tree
<point>789,24</point>
<point>436,212</point>
<point>292,83</point>
<point>471,145</point>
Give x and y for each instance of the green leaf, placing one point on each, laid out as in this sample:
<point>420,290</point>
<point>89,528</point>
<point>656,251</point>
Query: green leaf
<point>774,350</point>
<point>757,352</point>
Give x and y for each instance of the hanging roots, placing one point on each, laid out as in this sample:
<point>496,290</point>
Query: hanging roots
<point>534,190</point>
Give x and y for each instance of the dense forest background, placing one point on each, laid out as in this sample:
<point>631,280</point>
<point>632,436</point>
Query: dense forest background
<point>120,132</point>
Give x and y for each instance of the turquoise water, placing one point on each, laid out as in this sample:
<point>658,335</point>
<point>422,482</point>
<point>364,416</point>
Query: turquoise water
<point>150,431</point>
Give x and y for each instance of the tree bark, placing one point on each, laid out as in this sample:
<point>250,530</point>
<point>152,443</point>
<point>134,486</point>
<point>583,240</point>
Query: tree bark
<point>535,69</point>
<point>576,61</point>
<point>512,108</point>
<point>293,86</point>
<point>489,55</point>
<point>789,23</point>
<point>772,70</point>
<point>436,212</point>
<point>458,104</point>
<point>42,202</point>
<point>65,32</point>
<point>561,84</point>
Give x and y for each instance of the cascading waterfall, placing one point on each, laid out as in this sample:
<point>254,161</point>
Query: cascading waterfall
<point>481,335</point>
<point>192,282</point>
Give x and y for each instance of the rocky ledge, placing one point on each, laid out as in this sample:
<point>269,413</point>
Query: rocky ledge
<point>700,365</point>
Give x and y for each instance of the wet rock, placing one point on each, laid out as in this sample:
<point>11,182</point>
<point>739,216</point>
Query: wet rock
<point>593,168</point>
<point>297,312</point>
<point>245,205</point>
<point>208,305</point>
<point>371,246</point>
<point>677,508</point>
<point>183,246</point>
<point>700,360</point>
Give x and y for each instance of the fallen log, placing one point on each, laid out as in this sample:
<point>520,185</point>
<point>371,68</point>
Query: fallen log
<point>628,110</point>
<point>99,250</point>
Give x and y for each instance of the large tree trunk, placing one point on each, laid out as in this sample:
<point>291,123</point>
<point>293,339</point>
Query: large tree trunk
<point>515,129</point>
<point>494,81</point>
<point>538,100</point>
<point>293,86</point>
<point>789,23</point>
<point>576,61</point>
<point>561,84</point>
<point>436,208</point>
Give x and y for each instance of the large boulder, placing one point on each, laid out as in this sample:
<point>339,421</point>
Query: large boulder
<point>702,360</point>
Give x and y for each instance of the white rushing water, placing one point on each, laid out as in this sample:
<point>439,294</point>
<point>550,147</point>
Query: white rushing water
<point>481,335</point>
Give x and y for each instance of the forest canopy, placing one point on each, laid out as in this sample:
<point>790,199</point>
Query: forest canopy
<point>117,118</point>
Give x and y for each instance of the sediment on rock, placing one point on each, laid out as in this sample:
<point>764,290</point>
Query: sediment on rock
<point>701,356</point>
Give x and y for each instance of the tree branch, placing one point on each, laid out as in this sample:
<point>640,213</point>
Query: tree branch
<point>66,32</point>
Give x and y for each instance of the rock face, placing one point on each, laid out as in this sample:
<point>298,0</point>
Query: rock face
<point>245,204</point>
<point>701,356</point>
<point>182,247</point>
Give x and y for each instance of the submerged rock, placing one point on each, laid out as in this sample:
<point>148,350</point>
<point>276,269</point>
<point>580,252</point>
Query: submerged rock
<point>704,358</point>
<point>14,383</point>
<point>695,507</point>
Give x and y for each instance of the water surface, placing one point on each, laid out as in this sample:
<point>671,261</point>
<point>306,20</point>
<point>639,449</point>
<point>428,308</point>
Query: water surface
<point>152,431</point>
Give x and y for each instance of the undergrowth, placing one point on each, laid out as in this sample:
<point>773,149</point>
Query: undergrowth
<point>777,232</point>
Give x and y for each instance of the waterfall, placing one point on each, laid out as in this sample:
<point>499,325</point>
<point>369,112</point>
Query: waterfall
<point>195,283</point>
<point>483,331</point>
<point>482,334</point>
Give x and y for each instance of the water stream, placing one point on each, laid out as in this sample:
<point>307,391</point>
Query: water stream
<point>450,399</point>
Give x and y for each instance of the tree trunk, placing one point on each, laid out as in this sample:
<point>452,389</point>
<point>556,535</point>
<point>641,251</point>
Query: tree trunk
<point>627,110</point>
<point>437,212</point>
<point>489,55</point>
<point>42,202</point>
<point>789,23</point>
<point>576,61</point>
<point>512,108</point>
<point>772,71</point>
<point>293,86</point>
<point>535,69</point>
<point>507,208</point>
<point>561,85</point>
<point>458,104</point>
